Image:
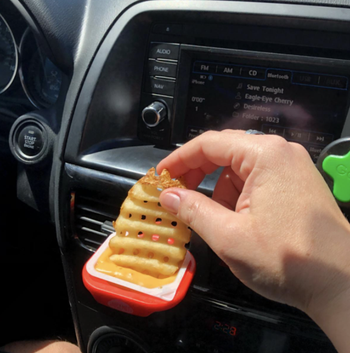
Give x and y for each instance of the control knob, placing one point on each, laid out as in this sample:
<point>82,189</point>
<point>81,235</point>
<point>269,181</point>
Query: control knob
<point>154,113</point>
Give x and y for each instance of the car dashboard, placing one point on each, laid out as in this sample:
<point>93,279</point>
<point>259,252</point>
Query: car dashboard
<point>115,88</point>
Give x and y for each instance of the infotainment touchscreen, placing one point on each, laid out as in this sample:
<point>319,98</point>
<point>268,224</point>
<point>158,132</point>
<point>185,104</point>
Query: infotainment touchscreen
<point>302,106</point>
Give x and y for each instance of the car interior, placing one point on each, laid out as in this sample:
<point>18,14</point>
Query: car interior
<point>95,93</point>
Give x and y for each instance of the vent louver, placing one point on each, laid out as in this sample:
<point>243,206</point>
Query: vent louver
<point>93,216</point>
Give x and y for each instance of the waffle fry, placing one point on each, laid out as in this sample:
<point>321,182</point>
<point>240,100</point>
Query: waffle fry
<point>148,239</point>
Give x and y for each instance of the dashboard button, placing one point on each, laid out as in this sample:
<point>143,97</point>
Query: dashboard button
<point>30,140</point>
<point>273,130</point>
<point>228,70</point>
<point>159,68</point>
<point>204,67</point>
<point>253,73</point>
<point>323,139</point>
<point>296,135</point>
<point>164,51</point>
<point>159,86</point>
<point>303,78</point>
<point>338,82</point>
<point>338,168</point>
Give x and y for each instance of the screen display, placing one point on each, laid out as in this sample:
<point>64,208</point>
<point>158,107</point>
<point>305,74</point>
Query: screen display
<point>305,107</point>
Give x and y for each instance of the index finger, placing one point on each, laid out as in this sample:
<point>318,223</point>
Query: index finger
<point>207,152</point>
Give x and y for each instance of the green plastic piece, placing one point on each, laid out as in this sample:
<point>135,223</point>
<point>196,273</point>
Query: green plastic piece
<point>338,168</point>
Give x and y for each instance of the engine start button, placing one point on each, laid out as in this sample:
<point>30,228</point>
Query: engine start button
<point>30,140</point>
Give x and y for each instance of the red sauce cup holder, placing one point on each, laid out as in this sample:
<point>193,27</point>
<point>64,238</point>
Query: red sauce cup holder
<point>134,299</point>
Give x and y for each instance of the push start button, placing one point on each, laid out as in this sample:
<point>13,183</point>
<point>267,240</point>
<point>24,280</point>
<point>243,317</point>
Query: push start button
<point>338,168</point>
<point>30,140</point>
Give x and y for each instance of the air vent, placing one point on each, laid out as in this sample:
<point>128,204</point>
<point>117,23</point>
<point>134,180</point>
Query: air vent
<point>93,216</point>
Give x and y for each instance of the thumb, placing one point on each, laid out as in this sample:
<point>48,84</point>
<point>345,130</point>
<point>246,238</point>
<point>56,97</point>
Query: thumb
<point>212,221</point>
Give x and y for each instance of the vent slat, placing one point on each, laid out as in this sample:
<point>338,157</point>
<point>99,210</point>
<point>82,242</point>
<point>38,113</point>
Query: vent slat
<point>93,231</point>
<point>91,220</point>
<point>94,213</point>
<point>92,242</point>
<point>94,210</point>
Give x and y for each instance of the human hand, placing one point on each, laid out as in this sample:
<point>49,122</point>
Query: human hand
<point>272,218</point>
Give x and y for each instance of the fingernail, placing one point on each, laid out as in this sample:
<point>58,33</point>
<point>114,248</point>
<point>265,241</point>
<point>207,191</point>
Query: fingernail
<point>171,202</point>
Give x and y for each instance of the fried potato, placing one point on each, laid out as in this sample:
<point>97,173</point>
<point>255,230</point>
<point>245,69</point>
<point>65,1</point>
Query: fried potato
<point>147,266</point>
<point>148,239</point>
<point>149,249</point>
